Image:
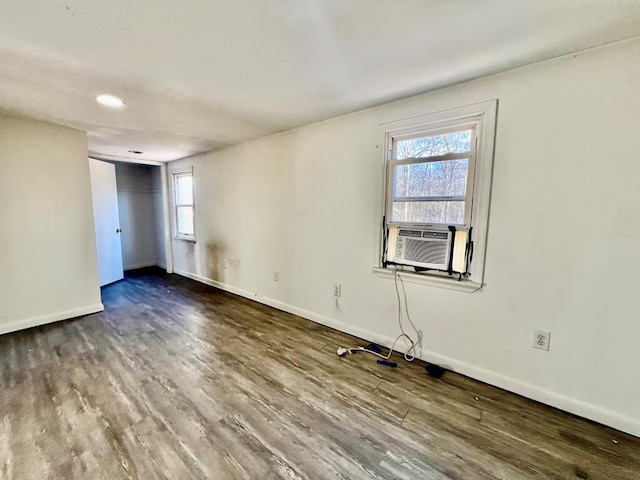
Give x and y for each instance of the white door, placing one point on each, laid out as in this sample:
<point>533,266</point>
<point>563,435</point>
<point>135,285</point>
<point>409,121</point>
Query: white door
<point>107,220</point>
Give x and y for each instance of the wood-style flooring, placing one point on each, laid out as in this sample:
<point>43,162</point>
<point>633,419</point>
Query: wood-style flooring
<point>177,380</point>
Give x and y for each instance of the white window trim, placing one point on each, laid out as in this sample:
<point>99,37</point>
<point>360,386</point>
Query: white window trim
<point>487,112</point>
<point>174,205</point>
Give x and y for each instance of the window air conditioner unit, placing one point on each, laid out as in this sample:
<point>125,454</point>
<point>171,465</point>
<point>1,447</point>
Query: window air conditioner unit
<point>419,248</point>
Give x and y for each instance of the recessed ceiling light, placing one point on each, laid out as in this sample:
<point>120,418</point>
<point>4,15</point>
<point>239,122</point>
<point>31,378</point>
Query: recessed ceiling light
<point>110,101</point>
<point>137,152</point>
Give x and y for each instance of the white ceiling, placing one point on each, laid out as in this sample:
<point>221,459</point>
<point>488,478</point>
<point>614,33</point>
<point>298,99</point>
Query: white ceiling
<point>201,74</point>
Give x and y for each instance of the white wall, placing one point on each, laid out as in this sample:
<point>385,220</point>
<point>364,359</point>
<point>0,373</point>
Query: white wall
<point>136,205</point>
<point>48,262</point>
<point>564,233</point>
<point>158,216</point>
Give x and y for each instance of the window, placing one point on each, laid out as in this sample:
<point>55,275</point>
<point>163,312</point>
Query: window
<point>437,182</point>
<point>183,205</point>
<point>429,174</point>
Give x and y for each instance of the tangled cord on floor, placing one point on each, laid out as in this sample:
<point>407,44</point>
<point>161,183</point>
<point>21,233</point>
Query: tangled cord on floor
<point>411,351</point>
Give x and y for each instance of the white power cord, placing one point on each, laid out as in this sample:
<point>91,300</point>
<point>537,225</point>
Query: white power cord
<point>410,353</point>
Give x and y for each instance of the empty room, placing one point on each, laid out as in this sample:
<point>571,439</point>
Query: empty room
<point>319,239</point>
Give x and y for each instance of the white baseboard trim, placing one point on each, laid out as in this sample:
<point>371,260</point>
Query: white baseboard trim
<point>49,318</point>
<point>572,405</point>
<point>139,265</point>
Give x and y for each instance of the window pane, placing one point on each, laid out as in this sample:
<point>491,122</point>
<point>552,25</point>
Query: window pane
<point>431,179</point>
<point>448,213</point>
<point>184,192</point>
<point>434,145</point>
<point>185,221</point>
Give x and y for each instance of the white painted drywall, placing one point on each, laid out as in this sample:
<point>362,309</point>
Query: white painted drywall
<point>564,233</point>
<point>159,215</point>
<point>48,262</point>
<point>136,204</point>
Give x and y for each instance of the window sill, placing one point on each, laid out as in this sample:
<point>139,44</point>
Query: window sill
<point>433,281</point>
<point>185,239</point>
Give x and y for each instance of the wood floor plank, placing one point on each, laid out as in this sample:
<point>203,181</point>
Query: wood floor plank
<point>178,380</point>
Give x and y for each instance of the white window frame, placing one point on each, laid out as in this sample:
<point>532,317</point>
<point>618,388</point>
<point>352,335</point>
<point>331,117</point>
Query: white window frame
<point>483,118</point>
<point>175,175</point>
<point>392,162</point>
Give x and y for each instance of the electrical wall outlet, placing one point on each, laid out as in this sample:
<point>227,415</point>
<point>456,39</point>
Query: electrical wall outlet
<point>337,290</point>
<point>541,339</point>
<point>225,263</point>
<point>276,276</point>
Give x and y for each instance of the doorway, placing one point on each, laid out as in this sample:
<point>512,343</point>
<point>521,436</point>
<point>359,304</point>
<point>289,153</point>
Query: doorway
<point>130,216</point>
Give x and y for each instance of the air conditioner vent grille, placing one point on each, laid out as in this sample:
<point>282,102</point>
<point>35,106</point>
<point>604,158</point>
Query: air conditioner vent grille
<point>425,252</point>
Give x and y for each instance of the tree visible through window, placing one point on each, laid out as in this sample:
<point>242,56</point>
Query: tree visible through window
<point>430,178</point>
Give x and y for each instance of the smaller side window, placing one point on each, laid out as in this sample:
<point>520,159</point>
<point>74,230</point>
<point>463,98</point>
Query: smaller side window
<point>183,205</point>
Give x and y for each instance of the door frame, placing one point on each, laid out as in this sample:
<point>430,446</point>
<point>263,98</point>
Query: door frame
<point>166,206</point>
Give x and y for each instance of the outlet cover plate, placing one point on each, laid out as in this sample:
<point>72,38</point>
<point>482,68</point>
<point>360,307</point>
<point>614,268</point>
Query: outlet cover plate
<point>541,339</point>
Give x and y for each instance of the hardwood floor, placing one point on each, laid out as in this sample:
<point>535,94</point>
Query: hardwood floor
<point>177,380</point>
